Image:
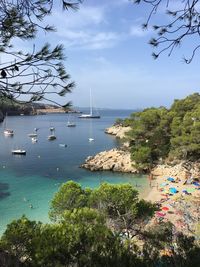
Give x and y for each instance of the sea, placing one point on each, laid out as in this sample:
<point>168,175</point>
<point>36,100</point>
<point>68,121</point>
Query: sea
<point>28,183</point>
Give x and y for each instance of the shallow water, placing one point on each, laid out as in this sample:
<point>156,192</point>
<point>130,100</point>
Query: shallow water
<point>33,179</point>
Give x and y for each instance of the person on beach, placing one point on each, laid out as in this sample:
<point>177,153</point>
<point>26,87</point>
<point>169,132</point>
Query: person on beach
<point>150,177</point>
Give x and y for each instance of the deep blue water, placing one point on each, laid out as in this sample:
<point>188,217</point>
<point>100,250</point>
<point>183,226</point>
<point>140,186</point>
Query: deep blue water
<point>34,178</point>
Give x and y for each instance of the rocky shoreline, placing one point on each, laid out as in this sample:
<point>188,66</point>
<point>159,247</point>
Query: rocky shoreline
<point>119,160</point>
<point>112,160</point>
<point>183,169</point>
<point>118,130</point>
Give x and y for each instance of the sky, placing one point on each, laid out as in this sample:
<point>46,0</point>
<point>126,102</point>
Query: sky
<point>108,51</point>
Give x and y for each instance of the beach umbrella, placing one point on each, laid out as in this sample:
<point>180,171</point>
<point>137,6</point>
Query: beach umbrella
<point>173,190</point>
<point>190,190</point>
<point>163,184</point>
<point>170,179</point>
<point>165,208</point>
<point>160,214</point>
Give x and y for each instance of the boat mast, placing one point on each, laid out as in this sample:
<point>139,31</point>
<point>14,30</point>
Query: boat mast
<point>5,122</point>
<point>90,102</point>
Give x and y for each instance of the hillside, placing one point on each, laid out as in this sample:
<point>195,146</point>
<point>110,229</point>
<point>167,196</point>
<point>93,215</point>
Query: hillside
<point>160,135</point>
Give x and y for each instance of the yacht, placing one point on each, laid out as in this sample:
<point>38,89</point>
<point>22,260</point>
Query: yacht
<point>91,115</point>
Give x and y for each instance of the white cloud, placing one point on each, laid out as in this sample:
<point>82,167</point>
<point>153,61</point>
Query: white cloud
<point>89,39</point>
<point>137,31</point>
<point>85,29</point>
<point>85,16</point>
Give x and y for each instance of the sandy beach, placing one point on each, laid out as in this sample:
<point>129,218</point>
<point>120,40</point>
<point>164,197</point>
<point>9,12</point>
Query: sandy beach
<point>181,207</point>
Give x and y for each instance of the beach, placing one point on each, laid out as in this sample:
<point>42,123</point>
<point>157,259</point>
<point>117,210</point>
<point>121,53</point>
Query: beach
<point>178,202</point>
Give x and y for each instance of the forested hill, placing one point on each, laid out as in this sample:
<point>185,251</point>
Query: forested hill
<point>10,107</point>
<point>159,134</point>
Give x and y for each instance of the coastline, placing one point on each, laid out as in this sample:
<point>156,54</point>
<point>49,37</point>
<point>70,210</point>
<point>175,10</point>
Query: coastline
<point>181,206</point>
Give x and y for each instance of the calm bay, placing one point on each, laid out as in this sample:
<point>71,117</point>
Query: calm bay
<point>33,179</point>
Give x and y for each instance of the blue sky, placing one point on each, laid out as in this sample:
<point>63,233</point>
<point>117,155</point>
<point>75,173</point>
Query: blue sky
<point>108,51</point>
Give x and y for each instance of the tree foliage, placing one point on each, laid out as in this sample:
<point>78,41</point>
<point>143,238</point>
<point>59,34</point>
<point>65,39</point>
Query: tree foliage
<point>41,72</point>
<point>159,133</point>
<point>82,236</point>
<point>182,22</point>
<point>81,239</point>
<point>119,203</point>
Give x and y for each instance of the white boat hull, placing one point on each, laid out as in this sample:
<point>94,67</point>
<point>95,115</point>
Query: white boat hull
<point>18,152</point>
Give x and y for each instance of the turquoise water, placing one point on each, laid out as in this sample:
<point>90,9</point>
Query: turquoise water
<point>33,179</point>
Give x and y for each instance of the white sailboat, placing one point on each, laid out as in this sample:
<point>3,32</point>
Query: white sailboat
<point>91,115</point>
<point>70,123</point>
<point>7,132</point>
<point>52,134</point>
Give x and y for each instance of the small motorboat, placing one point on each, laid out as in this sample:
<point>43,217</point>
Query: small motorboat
<point>71,124</point>
<point>34,140</point>
<point>32,135</point>
<point>62,145</point>
<point>90,139</point>
<point>18,152</point>
<point>8,132</point>
<point>51,128</point>
<point>51,137</point>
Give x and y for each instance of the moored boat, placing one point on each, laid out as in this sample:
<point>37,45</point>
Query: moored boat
<point>51,137</point>
<point>8,132</point>
<point>71,124</point>
<point>32,135</point>
<point>91,115</point>
<point>62,145</point>
<point>34,140</point>
<point>18,152</point>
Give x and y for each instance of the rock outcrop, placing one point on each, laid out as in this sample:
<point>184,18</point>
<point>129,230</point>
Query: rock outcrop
<point>117,130</point>
<point>112,160</point>
<point>181,170</point>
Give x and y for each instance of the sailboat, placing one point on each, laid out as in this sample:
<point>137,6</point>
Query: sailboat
<point>70,123</point>
<point>7,132</point>
<point>52,134</point>
<point>33,135</point>
<point>91,115</point>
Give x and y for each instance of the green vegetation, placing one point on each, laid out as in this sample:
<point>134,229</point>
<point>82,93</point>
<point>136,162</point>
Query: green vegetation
<point>21,77</point>
<point>94,228</point>
<point>159,134</point>
<point>13,108</point>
